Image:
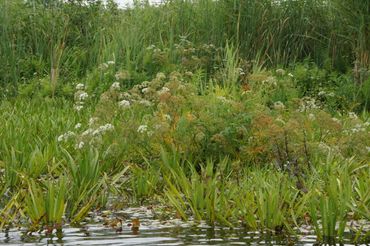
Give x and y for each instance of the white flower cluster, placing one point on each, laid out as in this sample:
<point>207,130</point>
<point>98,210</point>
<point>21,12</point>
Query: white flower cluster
<point>358,128</point>
<point>142,85</point>
<point>142,128</point>
<point>167,117</point>
<point>80,145</point>
<point>336,120</point>
<point>124,104</point>
<point>66,136</point>
<point>106,65</point>
<point>163,90</point>
<point>241,71</point>
<point>80,87</point>
<point>115,86</point>
<point>325,94</point>
<point>307,104</point>
<point>92,135</point>
<point>83,96</point>
<point>87,132</point>
<point>102,129</point>
<point>160,76</point>
<point>93,120</point>
<point>80,97</point>
<point>145,90</point>
<point>151,47</point>
<point>352,115</point>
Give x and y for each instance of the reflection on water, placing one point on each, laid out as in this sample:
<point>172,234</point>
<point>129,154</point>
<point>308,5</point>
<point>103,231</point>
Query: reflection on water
<point>117,228</point>
<point>149,235</point>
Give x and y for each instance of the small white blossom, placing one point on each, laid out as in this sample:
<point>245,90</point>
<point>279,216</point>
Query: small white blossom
<point>241,71</point>
<point>126,95</point>
<point>102,129</point>
<point>83,96</point>
<point>291,75</point>
<point>358,128</point>
<point>78,108</point>
<point>352,115</point>
<point>124,104</point>
<point>115,86</point>
<point>80,145</point>
<point>106,127</point>
<point>93,120</point>
<point>160,76</point>
<point>336,120</point>
<point>167,117</point>
<point>78,125</point>
<point>163,90</point>
<point>110,62</point>
<point>96,132</point>
<point>321,93</point>
<point>145,90</point>
<point>150,47</point>
<point>87,132</point>
<point>66,136</point>
<point>308,103</point>
<point>142,128</point>
<point>80,86</point>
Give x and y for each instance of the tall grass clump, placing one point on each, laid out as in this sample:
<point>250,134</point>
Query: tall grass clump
<point>65,40</point>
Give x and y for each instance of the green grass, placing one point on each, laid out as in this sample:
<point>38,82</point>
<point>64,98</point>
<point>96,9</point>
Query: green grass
<point>72,39</point>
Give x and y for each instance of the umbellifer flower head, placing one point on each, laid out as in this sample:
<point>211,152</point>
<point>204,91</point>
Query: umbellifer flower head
<point>115,86</point>
<point>124,104</point>
<point>142,128</point>
<point>80,86</point>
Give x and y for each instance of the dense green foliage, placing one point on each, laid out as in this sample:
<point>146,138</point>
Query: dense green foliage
<point>74,38</point>
<point>240,113</point>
